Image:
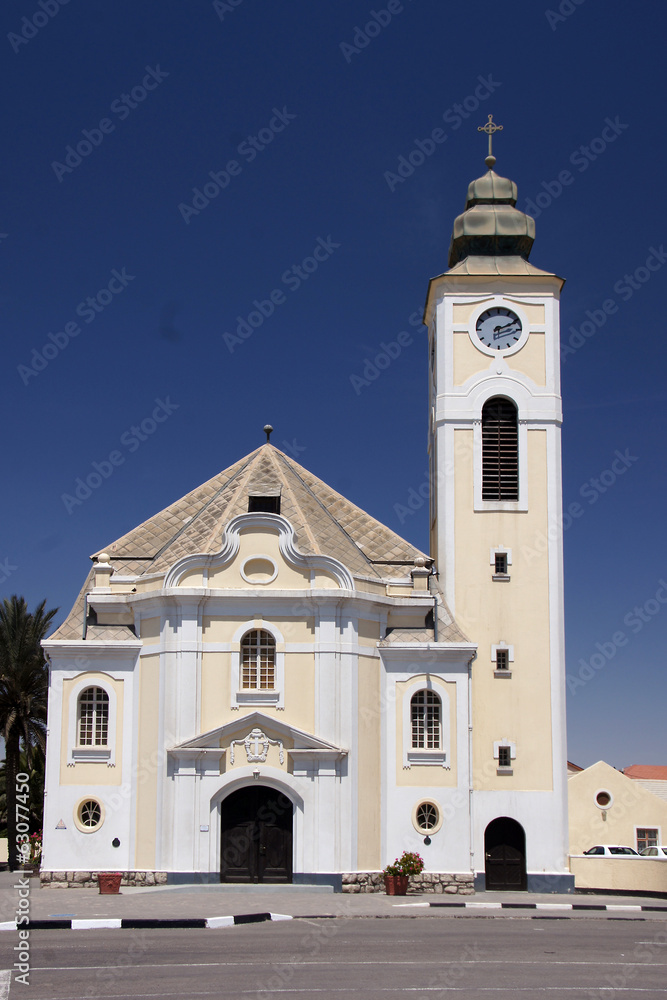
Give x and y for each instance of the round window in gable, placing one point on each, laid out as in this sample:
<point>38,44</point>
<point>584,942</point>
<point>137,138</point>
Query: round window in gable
<point>427,817</point>
<point>603,799</point>
<point>259,569</point>
<point>89,815</point>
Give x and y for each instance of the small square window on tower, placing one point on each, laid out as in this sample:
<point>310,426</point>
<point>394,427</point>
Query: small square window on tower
<point>504,752</point>
<point>504,757</point>
<point>501,560</point>
<point>502,657</point>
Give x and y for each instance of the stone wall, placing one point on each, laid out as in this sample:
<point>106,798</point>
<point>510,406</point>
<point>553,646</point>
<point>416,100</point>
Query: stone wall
<point>88,880</point>
<point>438,882</point>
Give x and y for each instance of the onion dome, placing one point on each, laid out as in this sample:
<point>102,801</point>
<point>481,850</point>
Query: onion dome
<point>492,225</point>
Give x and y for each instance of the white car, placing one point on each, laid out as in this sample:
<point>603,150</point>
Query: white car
<point>654,852</point>
<point>611,851</point>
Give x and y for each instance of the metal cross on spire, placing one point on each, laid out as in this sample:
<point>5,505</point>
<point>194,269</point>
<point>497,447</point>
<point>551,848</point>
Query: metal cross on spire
<point>490,128</point>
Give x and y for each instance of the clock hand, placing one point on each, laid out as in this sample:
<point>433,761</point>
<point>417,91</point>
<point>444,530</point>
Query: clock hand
<point>501,331</point>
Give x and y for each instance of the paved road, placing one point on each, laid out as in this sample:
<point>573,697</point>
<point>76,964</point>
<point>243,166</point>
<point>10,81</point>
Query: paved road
<point>374,958</point>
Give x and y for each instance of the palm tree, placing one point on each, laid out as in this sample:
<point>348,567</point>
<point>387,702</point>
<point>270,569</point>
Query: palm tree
<point>23,695</point>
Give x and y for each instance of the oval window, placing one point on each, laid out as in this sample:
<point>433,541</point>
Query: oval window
<point>603,799</point>
<point>89,815</point>
<point>426,817</point>
<point>259,569</point>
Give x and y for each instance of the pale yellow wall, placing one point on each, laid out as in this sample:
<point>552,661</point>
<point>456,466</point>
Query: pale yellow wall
<point>299,696</point>
<point>534,312</point>
<point>221,629</point>
<point>369,765</point>
<point>150,628</point>
<point>635,874</point>
<point>122,618</point>
<point>252,543</point>
<point>419,775</point>
<point>632,806</point>
<point>95,772</point>
<point>517,613</point>
<point>146,807</point>
<point>368,632</point>
<point>531,359</point>
<point>468,361</point>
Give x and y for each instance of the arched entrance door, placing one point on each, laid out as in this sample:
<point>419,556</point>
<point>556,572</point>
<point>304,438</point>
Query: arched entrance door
<point>505,854</point>
<point>256,840</point>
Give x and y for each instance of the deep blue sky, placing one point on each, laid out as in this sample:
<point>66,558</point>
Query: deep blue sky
<point>221,75</point>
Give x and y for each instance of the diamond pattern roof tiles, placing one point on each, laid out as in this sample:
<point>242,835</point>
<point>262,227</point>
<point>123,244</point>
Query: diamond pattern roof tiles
<point>325,523</point>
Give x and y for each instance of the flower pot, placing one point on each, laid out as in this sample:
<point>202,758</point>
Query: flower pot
<point>109,882</point>
<point>396,885</point>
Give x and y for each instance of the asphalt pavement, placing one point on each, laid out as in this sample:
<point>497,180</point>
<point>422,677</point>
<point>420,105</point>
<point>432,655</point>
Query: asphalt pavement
<point>333,959</point>
<point>208,901</point>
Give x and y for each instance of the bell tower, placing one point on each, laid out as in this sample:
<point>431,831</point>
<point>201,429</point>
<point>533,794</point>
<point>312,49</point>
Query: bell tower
<point>495,520</point>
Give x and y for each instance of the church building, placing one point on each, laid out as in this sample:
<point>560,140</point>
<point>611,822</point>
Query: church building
<point>262,683</point>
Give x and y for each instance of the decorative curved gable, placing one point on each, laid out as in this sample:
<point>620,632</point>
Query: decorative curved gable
<point>207,563</point>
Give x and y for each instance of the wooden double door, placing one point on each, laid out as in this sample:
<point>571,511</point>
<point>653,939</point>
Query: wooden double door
<point>256,841</point>
<point>505,854</point>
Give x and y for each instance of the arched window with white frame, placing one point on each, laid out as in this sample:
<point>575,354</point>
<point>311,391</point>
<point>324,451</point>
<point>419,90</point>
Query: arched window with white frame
<point>426,720</point>
<point>426,723</point>
<point>258,660</point>
<point>93,718</point>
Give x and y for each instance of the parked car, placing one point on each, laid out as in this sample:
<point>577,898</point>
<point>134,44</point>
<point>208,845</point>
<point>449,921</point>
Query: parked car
<point>611,850</point>
<point>655,852</point>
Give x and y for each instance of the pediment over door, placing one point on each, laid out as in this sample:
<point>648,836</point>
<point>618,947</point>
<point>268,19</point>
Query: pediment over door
<point>249,738</point>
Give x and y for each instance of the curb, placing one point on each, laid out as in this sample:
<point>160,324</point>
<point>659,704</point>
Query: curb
<point>609,907</point>
<point>143,923</point>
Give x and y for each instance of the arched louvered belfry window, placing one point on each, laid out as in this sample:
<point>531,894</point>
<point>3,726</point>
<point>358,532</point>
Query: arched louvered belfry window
<point>500,450</point>
<point>258,660</point>
<point>93,717</point>
<point>425,709</point>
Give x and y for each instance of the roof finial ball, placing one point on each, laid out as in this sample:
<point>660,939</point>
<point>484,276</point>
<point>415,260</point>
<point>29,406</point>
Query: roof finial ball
<point>490,128</point>
<point>268,429</point>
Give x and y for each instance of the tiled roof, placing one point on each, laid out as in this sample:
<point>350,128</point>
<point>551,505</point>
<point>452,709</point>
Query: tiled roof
<point>654,771</point>
<point>448,630</point>
<point>324,521</point>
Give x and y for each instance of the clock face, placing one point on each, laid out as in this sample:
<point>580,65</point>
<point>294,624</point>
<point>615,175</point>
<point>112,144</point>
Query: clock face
<point>498,328</point>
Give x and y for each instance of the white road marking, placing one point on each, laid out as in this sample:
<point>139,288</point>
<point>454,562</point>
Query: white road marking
<point>620,906</point>
<point>8,925</point>
<point>96,923</point>
<point>213,923</point>
<point>281,916</point>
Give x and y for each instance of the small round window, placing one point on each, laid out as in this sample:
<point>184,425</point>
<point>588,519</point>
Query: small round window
<point>426,817</point>
<point>603,799</point>
<point>89,815</point>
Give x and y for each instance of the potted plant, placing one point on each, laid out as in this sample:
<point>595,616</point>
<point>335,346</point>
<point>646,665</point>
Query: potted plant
<point>109,882</point>
<point>397,876</point>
